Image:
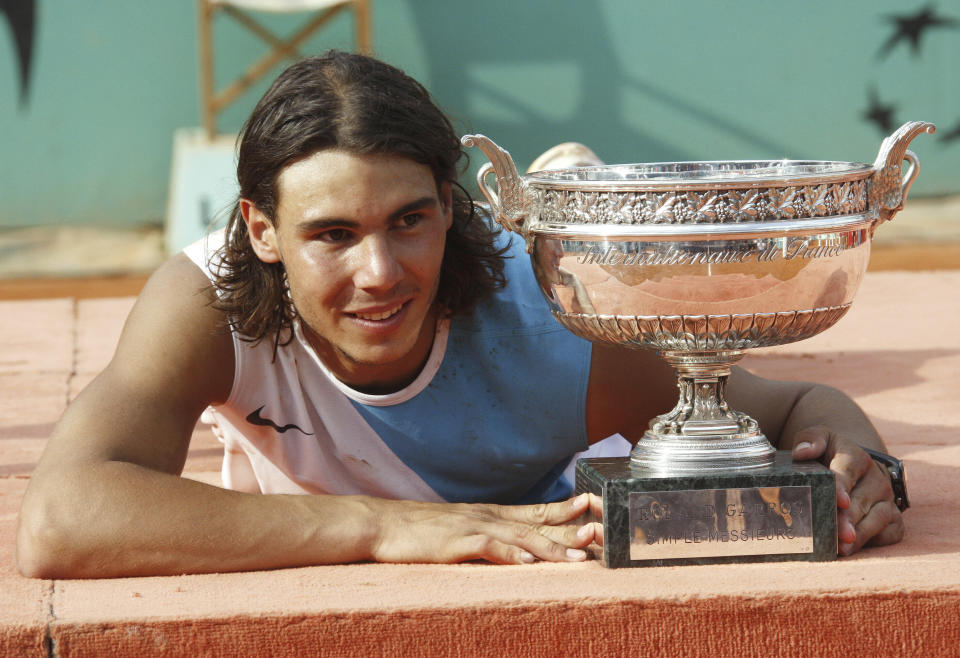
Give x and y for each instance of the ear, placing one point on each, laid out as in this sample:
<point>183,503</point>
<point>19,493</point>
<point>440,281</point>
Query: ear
<point>446,203</point>
<point>263,234</point>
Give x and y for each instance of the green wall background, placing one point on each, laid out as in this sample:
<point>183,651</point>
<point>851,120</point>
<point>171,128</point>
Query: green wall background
<point>637,80</point>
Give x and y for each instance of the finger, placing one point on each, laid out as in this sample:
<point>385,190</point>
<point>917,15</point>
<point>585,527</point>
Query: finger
<point>843,497</point>
<point>571,536</point>
<point>596,506</point>
<point>544,513</point>
<point>849,464</point>
<point>846,530</point>
<point>542,530</point>
<point>810,443</point>
<point>546,542</point>
<point>873,487</point>
<point>872,503</point>
<point>590,533</point>
<point>820,442</point>
<point>503,542</point>
<point>596,516</point>
<point>891,533</point>
<point>481,547</point>
<point>883,524</point>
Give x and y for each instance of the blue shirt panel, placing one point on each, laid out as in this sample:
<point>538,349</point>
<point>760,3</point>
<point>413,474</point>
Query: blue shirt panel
<point>506,410</point>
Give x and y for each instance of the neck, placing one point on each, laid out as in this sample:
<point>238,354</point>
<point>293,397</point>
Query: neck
<point>377,378</point>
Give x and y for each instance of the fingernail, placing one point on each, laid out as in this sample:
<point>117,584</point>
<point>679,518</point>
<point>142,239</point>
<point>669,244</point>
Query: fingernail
<point>851,531</point>
<point>845,549</point>
<point>526,557</point>
<point>576,554</point>
<point>843,499</point>
<point>584,532</point>
<point>803,445</point>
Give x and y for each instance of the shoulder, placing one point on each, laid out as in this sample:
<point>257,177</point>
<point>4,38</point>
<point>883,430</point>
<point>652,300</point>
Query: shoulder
<point>173,359</point>
<point>207,253</point>
<point>174,334</point>
<point>179,284</point>
<point>519,306</point>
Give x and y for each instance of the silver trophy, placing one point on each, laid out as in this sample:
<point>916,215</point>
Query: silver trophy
<point>701,261</point>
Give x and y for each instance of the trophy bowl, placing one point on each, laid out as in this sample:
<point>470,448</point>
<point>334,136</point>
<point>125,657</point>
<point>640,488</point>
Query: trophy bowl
<point>701,261</point>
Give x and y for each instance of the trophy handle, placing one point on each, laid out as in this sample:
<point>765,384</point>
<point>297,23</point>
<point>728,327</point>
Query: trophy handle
<point>911,174</point>
<point>888,189</point>
<point>507,201</point>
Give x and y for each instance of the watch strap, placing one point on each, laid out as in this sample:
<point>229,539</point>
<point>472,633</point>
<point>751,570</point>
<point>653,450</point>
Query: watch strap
<point>894,469</point>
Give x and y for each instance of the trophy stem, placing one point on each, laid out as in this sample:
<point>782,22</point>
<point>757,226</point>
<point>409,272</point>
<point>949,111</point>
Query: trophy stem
<point>702,433</point>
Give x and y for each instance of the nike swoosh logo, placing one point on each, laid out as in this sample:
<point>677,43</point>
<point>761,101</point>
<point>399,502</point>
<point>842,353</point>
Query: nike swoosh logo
<point>256,419</point>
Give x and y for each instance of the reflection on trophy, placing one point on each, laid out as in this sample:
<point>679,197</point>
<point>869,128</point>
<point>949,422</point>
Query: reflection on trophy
<point>702,261</point>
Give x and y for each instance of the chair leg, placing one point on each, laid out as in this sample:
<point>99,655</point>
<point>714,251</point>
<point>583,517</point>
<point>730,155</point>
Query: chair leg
<point>259,68</point>
<point>361,18</point>
<point>215,101</point>
<point>205,34</point>
<point>256,28</point>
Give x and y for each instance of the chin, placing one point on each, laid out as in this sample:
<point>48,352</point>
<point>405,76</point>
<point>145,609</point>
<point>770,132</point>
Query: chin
<point>376,354</point>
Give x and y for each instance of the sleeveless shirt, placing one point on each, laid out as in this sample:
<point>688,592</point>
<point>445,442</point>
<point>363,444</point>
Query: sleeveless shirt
<point>496,414</point>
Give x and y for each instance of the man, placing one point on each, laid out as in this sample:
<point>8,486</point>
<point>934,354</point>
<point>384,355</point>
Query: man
<point>377,356</point>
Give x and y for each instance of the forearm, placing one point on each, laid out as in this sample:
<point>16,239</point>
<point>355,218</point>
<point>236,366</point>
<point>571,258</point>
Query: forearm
<point>118,519</point>
<point>829,407</point>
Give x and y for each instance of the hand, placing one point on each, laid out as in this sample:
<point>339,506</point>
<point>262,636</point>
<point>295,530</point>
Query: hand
<point>443,532</point>
<point>867,513</point>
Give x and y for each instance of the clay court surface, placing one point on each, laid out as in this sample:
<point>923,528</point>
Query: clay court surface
<point>897,352</point>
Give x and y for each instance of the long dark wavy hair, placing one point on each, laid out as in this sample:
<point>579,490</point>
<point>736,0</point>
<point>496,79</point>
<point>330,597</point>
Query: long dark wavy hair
<point>363,106</point>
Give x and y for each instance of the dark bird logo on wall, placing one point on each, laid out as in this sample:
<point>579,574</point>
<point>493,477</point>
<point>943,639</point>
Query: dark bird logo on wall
<point>952,134</point>
<point>912,27</point>
<point>20,15</point>
<point>879,113</point>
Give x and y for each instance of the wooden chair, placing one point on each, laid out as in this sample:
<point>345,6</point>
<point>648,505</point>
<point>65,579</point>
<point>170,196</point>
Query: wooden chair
<point>215,101</point>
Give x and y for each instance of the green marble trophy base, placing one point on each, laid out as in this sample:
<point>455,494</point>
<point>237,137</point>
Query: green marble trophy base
<point>785,512</point>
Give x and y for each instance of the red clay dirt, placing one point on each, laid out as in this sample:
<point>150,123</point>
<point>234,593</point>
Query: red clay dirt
<point>897,352</point>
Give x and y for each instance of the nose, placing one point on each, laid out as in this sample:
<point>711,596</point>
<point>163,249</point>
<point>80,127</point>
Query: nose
<point>377,266</point>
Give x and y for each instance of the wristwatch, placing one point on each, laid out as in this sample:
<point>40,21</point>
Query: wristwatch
<point>894,468</point>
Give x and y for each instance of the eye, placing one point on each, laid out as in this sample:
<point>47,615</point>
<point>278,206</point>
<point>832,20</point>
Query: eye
<point>334,235</point>
<point>411,220</point>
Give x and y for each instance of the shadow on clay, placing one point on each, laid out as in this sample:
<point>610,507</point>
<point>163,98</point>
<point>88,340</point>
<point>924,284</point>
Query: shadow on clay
<point>854,372</point>
<point>934,485</point>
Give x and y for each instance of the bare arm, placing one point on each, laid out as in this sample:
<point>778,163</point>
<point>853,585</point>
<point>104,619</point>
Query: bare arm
<point>107,498</point>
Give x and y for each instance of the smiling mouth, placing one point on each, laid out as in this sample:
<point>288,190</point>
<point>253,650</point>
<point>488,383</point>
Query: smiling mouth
<point>384,315</point>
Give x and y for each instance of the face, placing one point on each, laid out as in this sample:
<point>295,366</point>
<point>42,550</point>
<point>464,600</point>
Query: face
<point>361,238</point>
